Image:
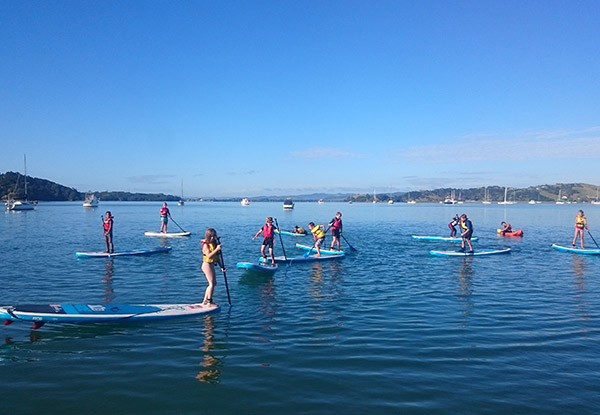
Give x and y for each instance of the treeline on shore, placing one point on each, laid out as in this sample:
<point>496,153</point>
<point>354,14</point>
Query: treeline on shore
<point>12,186</point>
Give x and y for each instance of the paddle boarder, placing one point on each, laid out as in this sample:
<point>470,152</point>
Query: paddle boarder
<point>336,230</point>
<point>466,227</point>
<point>165,214</point>
<point>299,230</point>
<point>268,233</point>
<point>107,225</point>
<point>318,232</point>
<point>505,227</point>
<point>580,226</point>
<point>211,248</point>
<point>452,225</point>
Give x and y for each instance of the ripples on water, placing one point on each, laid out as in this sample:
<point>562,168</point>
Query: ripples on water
<point>390,329</point>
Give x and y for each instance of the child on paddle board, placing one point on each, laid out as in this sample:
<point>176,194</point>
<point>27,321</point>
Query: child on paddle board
<point>466,227</point>
<point>299,230</point>
<point>580,226</point>
<point>318,232</point>
<point>211,256</point>
<point>165,214</point>
<point>336,230</point>
<point>268,233</point>
<point>107,225</point>
<point>452,225</point>
<point>505,227</point>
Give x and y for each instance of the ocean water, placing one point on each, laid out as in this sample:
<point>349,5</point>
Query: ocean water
<point>390,329</point>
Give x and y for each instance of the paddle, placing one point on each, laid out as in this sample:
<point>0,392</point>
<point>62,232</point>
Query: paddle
<point>177,225</point>
<point>281,240</point>
<point>224,273</point>
<point>350,246</point>
<point>593,239</point>
<point>315,244</point>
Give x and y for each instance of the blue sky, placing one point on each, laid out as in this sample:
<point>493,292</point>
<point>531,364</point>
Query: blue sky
<point>246,98</point>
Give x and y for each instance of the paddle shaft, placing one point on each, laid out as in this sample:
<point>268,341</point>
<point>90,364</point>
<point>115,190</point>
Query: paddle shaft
<point>224,272</point>
<point>593,239</point>
<point>177,225</point>
<point>281,241</point>
<point>315,244</point>
<point>350,246</point>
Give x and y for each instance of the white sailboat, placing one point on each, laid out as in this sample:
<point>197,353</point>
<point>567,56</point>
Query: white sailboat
<point>24,204</point>
<point>181,202</point>
<point>506,202</point>
<point>596,202</point>
<point>486,197</point>
<point>559,200</point>
<point>374,196</point>
<point>245,202</point>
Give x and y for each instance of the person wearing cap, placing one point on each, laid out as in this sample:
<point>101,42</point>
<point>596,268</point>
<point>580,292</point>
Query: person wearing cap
<point>268,233</point>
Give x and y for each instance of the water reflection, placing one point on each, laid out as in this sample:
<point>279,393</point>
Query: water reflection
<point>580,286</point>
<point>211,365</point>
<point>465,281</point>
<point>109,270</point>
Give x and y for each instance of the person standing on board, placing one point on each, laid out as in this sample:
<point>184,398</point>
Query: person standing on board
<point>211,249</point>
<point>319,235</point>
<point>580,225</point>
<point>336,230</point>
<point>466,227</point>
<point>268,233</point>
<point>505,227</point>
<point>452,225</point>
<point>165,214</point>
<point>107,224</point>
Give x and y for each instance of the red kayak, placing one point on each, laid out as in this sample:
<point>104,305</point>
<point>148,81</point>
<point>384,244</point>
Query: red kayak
<point>511,233</point>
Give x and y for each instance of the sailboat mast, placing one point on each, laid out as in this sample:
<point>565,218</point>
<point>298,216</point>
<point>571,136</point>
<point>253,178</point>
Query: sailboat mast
<point>25,163</point>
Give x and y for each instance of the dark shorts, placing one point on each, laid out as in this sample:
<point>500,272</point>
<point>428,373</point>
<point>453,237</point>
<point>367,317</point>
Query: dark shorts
<point>468,235</point>
<point>335,232</point>
<point>268,242</point>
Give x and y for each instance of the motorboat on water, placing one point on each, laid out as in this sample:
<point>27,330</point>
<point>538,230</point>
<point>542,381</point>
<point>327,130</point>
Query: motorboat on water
<point>90,200</point>
<point>288,204</point>
<point>245,202</point>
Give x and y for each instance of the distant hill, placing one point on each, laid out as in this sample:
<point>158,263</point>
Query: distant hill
<point>12,185</point>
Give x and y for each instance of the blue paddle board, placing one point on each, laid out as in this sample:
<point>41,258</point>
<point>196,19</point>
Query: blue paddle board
<point>323,250</point>
<point>122,253</point>
<point>439,238</point>
<point>577,250</point>
<point>265,269</point>
<point>99,313</point>
<point>309,258</point>
<point>291,233</point>
<point>476,253</point>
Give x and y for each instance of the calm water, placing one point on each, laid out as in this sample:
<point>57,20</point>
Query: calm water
<point>388,330</point>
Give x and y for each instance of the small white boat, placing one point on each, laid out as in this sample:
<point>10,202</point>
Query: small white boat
<point>321,201</point>
<point>90,200</point>
<point>288,204</point>
<point>390,202</point>
<point>24,204</point>
<point>245,202</point>
<point>181,202</point>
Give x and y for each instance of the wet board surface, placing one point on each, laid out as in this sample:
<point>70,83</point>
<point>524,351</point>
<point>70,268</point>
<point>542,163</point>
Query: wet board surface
<point>96,313</point>
<point>265,269</point>
<point>576,250</point>
<point>309,258</point>
<point>131,252</point>
<point>167,234</point>
<point>476,253</point>
<point>323,250</point>
<point>440,238</point>
<point>291,233</point>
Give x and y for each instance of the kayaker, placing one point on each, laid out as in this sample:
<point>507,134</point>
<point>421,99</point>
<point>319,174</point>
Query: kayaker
<point>466,227</point>
<point>580,226</point>
<point>336,230</point>
<point>452,225</point>
<point>318,232</point>
<point>268,233</point>
<point>505,228</point>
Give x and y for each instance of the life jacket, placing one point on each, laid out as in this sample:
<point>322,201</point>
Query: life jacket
<point>211,248</point>
<point>336,223</point>
<point>164,211</point>
<point>318,232</point>
<point>463,224</point>
<point>580,222</point>
<point>300,230</point>
<point>268,231</point>
<point>107,223</point>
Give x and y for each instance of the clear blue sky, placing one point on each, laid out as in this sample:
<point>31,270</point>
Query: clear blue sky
<point>246,98</point>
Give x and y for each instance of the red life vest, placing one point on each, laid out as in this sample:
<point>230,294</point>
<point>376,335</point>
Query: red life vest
<point>107,223</point>
<point>164,211</point>
<point>268,231</point>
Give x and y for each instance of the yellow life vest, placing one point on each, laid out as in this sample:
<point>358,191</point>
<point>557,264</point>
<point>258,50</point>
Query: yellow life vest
<point>211,248</point>
<point>580,222</point>
<point>316,230</point>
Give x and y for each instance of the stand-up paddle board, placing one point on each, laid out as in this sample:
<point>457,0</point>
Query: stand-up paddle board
<point>122,253</point>
<point>167,234</point>
<point>99,313</point>
<point>265,269</point>
<point>475,253</point>
<point>291,233</point>
<point>323,251</point>
<point>440,238</point>
<point>577,250</point>
<point>309,258</point>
